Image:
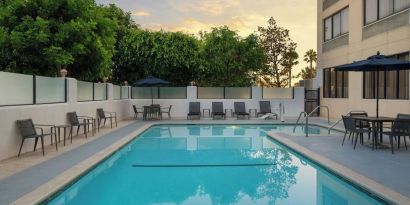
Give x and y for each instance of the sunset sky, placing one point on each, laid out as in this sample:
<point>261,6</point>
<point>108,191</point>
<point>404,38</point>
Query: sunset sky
<point>244,16</point>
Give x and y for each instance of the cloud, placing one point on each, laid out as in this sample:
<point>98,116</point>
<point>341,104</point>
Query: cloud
<point>141,13</point>
<point>206,7</point>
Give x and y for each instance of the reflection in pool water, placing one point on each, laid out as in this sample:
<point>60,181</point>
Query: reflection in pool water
<point>194,164</point>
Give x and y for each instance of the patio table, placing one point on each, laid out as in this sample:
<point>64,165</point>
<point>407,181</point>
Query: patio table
<point>64,127</point>
<point>377,126</point>
<point>151,112</point>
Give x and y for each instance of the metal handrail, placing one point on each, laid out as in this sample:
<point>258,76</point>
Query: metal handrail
<point>316,108</point>
<point>297,122</point>
<point>337,122</point>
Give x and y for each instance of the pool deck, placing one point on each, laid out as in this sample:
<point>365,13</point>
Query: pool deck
<point>27,181</point>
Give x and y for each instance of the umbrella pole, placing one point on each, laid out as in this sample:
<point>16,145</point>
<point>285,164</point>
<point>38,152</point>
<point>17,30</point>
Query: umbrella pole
<point>377,91</point>
<point>152,97</point>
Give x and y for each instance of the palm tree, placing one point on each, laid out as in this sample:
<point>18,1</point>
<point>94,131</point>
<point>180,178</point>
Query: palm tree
<point>309,72</point>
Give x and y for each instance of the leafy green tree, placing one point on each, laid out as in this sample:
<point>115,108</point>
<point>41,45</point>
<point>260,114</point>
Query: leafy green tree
<point>173,56</point>
<point>291,59</point>
<point>40,36</point>
<point>278,45</point>
<point>309,72</point>
<point>229,60</point>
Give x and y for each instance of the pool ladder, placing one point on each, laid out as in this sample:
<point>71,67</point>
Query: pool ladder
<point>306,118</point>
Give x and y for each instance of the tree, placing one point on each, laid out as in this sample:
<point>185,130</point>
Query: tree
<point>279,47</point>
<point>40,36</point>
<point>229,60</point>
<point>309,72</point>
<point>290,61</point>
<point>173,56</point>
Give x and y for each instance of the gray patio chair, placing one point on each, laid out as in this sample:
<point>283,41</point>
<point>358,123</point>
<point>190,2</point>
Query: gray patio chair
<point>400,128</point>
<point>265,108</point>
<point>240,110</point>
<point>104,115</point>
<point>74,121</point>
<point>194,110</point>
<point>218,110</point>
<point>360,124</point>
<point>28,131</point>
<point>166,110</point>
<point>137,111</point>
<point>350,127</point>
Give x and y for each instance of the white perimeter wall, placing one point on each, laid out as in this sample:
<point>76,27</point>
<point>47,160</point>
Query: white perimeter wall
<point>56,113</point>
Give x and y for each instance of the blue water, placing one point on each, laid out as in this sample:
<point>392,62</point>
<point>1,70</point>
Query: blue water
<point>209,164</point>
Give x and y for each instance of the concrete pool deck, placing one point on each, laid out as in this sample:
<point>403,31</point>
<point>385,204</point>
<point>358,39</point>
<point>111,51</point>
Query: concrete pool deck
<point>391,170</point>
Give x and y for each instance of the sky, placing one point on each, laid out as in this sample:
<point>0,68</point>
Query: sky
<point>243,16</point>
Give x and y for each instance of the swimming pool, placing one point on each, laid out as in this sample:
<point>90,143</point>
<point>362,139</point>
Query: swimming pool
<point>210,164</point>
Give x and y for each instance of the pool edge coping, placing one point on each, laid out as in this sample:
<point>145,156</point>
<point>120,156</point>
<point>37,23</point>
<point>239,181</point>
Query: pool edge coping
<point>370,185</point>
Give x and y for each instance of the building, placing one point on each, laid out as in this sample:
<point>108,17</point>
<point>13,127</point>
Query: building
<point>351,30</point>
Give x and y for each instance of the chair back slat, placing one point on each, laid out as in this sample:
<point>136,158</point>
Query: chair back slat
<point>217,107</point>
<point>100,113</point>
<point>359,114</point>
<point>349,123</point>
<point>265,106</point>
<point>194,107</point>
<point>403,116</point>
<point>239,107</point>
<point>26,127</point>
<point>401,126</point>
<point>72,118</point>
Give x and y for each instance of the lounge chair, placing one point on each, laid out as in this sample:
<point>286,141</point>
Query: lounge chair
<point>28,130</point>
<point>218,110</point>
<point>240,110</point>
<point>104,115</point>
<point>350,127</point>
<point>400,128</point>
<point>265,108</point>
<point>137,111</point>
<point>74,120</point>
<point>194,110</point>
<point>166,110</point>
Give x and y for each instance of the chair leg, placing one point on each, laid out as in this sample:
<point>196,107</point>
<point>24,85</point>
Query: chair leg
<point>42,144</point>
<point>105,120</point>
<point>21,146</point>
<point>398,142</point>
<point>355,140</point>
<point>55,137</point>
<point>344,137</point>
<point>85,130</point>
<point>111,121</point>
<point>116,123</point>
<point>71,133</point>
<point>35,144</point>
<point>78,129</point>
<point>405,143</point>
<point>391,144</point>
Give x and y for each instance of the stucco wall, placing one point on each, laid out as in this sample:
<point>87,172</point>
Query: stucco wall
<point>56,113</point>
<point>395,40</point>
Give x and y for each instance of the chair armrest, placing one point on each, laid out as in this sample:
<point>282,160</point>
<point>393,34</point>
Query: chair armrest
<point>41,129</point>
<point>85,117</point>
<point>43,125</point>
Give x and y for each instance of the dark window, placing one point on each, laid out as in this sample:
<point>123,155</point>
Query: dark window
<point>392,84</point>
<point>378,9</point>
<point>336,25</point>
<point>335,84</point>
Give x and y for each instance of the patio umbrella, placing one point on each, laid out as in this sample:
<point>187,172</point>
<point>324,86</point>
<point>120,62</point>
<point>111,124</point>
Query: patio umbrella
<point>376,63</point>
<point>150,82</point>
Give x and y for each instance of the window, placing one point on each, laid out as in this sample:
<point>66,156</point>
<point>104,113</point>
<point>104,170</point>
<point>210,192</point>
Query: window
<point>336,25</point>
<point>378,9</point>
<point>392,84</point>
<point>335,84</point>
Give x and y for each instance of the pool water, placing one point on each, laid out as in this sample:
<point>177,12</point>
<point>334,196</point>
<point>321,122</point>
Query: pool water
<point>209,164</point>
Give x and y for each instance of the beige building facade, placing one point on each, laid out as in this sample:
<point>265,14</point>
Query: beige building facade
<point>351,30</point>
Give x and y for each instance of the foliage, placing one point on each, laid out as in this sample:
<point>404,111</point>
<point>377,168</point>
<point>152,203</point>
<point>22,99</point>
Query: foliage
<point>39,36</point>
<point>229,60</point>
<point>309,72</point>
<point>280,50</point>
<point>173,56</point>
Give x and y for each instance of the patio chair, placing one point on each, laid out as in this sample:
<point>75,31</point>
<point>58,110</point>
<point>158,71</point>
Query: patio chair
<point>74,121</point>
<point>28,131</point>
<point>265,108</point>
<point>104,115</point>
<point>194,110</point>
<point>350,127</point>
<point>360,124</point>
<point>400,128</point>
<point>167,111</point>
<point>137,111</point>
<point>218,110</point>
<point>240,110</point>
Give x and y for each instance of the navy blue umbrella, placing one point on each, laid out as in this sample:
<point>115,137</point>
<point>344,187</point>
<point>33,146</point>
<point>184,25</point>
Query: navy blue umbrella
<point>150,81</point>
<point>376,63</point>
